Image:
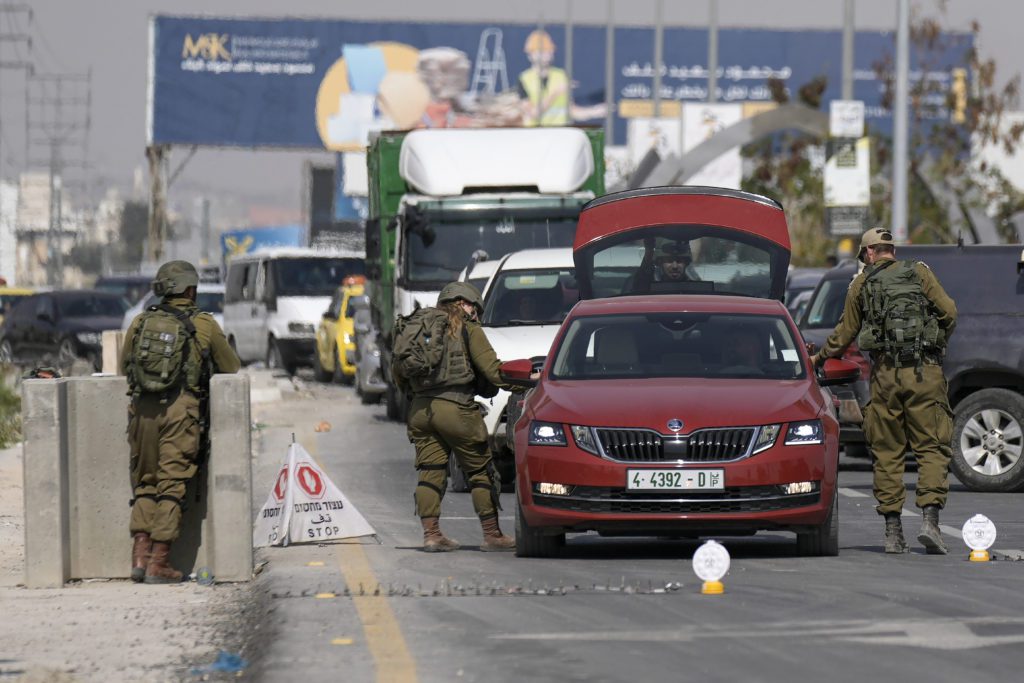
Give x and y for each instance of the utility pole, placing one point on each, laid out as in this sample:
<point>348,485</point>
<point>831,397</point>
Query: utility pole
<point>568,55</point>
<point>10,12</point>
<point>713,51</point>
<point>157,155</point>
<point>659,40</point>
<point>899,122</point>
<point>848,24</point>
<point>609,75</point>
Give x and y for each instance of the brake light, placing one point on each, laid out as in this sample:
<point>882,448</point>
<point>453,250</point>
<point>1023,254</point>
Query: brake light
<point>855,355</point>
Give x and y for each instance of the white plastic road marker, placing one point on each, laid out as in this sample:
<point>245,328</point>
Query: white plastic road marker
<point>711,563</point>
<point>305,506</point>
<point>979,534</point>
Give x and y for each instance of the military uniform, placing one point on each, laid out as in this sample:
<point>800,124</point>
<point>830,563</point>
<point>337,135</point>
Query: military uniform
<point>909,407</point>
<point>164,434</point>
<point>446,420</point>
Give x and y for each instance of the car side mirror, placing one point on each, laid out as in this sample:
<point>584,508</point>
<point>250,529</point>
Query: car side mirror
<point>518,372</point>
<point>327,314</point>
<point>838,371</point>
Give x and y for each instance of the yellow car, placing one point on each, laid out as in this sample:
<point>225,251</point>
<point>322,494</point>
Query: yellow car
<point>335,338</point>
<point>9,296</point>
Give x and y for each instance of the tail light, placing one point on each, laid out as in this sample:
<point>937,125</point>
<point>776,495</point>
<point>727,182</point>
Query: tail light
<point>854,354</point>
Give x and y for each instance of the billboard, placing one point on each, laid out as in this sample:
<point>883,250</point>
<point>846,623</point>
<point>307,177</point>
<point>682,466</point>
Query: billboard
<point>246,240</point>
<point>328,83</point>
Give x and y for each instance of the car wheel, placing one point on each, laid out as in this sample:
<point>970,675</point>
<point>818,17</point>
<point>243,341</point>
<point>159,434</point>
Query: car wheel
<point>531,542</point>
<point>369,399</point>
<point>6,354</point>
<point>824,540</point>
<point>275,360</point>
<point>988,443</point>
<point>66,355</point>
<point>857,450</point>
<point>392,399</point>
<point>319,373</point>
<point>457,480</point>
<point>357,384</point>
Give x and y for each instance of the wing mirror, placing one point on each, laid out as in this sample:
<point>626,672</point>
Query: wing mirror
<point>838,371</point>
<point>518,372</point>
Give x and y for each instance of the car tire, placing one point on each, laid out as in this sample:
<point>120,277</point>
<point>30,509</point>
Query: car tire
<point>319,373</point>
<point>275,359</point>
<point>6,353</point>
<point>988,445</point>
<point>357,384</point>
<point>531,542</point>
<point>457,480</point>
<point>824,540</point>
<point>392,397</point>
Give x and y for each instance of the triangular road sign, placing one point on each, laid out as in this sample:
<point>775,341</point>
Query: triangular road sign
<point>305,506</point>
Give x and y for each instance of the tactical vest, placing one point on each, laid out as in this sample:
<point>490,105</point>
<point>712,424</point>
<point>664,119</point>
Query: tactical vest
<point>899,321</point>
<point>165,353</point>
<point>427,355</point>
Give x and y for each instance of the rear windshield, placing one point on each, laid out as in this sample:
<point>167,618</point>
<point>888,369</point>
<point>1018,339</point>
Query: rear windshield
<point>92,307</point>
<point>705,345</point>
<point>530,297</point>
<point>313,276</point>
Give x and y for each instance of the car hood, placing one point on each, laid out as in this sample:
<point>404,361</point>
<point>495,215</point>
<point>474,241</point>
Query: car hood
<point>521,341</point>
<point>91,324</point>
<point>699,403</point>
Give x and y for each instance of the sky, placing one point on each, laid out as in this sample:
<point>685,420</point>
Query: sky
<point>110,38</point>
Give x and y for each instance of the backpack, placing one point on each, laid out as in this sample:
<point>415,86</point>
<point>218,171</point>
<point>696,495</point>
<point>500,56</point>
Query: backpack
<point>162,352</point>
<point>426,355</point>
<point>899,320</point>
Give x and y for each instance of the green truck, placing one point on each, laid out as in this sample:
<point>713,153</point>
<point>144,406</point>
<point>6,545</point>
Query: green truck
<point>442,199</point>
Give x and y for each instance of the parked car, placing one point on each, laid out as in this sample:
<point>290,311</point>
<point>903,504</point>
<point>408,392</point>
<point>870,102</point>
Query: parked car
<point>274,300</point>
<point>688,408</point>
<point>130,287</point>
<point>334,359</point>
<point>58,327</point>
<point>209,298</point>
<point>801,280</point>
<point>525,301</point>
<point>984,366</point>
<point>369,381</point>
<point>10,296</point>
<point>480,274</point>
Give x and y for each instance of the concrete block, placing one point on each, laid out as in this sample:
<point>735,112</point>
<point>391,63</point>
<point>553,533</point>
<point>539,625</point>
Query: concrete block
<point>229,479</point>
<point>113,342</point>
<point>97,455</point>
<point>47,549</point>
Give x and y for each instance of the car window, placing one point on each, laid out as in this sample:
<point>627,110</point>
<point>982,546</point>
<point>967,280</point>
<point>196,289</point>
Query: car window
<point>211,302</point>
<point>704,345</point>
<point>354,305</point>
<point>44,307</point>
<point>91,307</point>
<point>826,306</point>
<point>236,282</point>
<point>525,297</point>
<point>313,276</point>
<point>251,276</point>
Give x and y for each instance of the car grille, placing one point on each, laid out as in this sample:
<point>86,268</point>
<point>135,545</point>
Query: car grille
<point>705,445</point>
<point>735,499</point>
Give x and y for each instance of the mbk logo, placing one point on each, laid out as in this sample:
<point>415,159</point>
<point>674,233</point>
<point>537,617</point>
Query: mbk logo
<point>209,46</point>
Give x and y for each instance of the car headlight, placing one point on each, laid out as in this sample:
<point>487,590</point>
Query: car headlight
<point>804,433</point>
<point>546,434</point>
<point>766,437</point>
<point>584,438</point>
<point>91,338</point>
<point>301,328</point>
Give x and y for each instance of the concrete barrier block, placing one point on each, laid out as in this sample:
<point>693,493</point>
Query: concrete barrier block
<point>100,490</point>
<point>229,479</point>
<point>47,550</point>
<point>113,342</point>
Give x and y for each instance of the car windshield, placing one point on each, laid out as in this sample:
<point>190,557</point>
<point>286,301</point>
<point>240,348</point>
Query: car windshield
<point>313,276</point>
<point>211,302</point>
<point>679,260</point>
<point>530,297</point>
<point>131,289</point>
<point>704,345</point>
<point>92,307</point>
<point>826,307</point>
<point>437,252</point>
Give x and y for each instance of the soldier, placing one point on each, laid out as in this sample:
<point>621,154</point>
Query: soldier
<point>898,311</point>
<point>170,351</point>
<point>674,261</point>
<point>444,418</point>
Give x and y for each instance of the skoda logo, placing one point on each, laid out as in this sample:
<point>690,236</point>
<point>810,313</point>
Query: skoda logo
<point>675,424</point>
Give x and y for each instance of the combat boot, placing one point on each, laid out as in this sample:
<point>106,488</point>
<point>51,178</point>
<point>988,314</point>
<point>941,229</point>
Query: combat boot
<point>433,540</point>
<point>158,570</point>
<point>494,540</point>
<point>140,555</point>
<point>894,541</point>
<point>930,536</point>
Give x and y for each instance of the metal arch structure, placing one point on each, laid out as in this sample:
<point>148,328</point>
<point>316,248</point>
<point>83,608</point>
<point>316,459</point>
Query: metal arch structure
<point>676,170</point>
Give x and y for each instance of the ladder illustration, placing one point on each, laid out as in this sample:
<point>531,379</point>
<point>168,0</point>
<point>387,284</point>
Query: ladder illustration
<point>490,65</point>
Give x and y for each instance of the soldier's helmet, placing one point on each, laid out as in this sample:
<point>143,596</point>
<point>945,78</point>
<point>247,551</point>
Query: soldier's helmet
<point>453,291</point>
<point>873,238</point>
<point>174,277</point>
<point>674,251</point>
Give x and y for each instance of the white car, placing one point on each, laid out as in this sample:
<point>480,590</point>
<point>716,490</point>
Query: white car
<point>525,302</point>
<point>209,298</point>
<point>480,275</point>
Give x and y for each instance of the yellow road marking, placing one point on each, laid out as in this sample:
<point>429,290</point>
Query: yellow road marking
<point>383,636</point>
<point>316,563</point>
<point>341,641</point>
<point>325,595</point>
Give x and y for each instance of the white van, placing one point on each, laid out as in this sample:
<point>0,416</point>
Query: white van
<point>274,299</point>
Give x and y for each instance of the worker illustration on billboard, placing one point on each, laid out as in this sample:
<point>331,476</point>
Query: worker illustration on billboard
<point>544,88</point>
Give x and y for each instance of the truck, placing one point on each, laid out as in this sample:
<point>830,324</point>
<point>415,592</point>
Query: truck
<point>440,199</point>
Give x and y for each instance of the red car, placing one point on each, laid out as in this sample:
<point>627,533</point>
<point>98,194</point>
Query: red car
<point>681,402</point>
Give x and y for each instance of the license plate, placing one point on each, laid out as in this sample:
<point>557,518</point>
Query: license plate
<point>675,480</point>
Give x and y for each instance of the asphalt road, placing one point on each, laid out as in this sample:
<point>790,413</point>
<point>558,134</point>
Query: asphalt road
<point>602,611</point>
